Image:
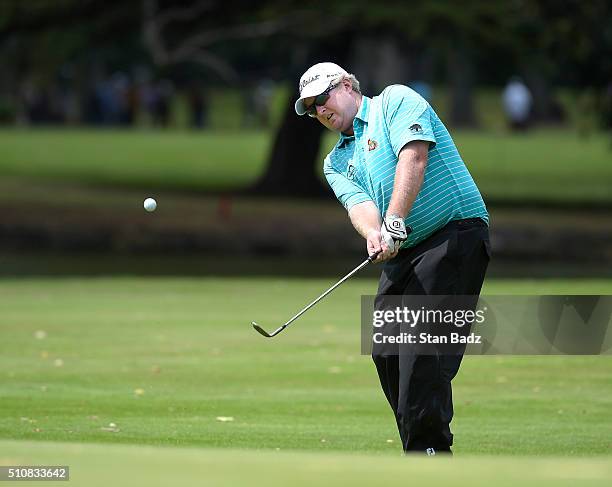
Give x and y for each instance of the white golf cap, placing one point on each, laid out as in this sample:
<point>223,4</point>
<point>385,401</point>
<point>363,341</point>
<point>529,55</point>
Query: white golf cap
<point>315,81</point>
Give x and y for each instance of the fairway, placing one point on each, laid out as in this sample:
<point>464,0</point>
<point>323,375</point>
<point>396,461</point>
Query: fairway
<point>162,359</point>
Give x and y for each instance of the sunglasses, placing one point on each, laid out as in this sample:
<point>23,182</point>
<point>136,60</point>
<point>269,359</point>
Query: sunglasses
<point>319,101</point>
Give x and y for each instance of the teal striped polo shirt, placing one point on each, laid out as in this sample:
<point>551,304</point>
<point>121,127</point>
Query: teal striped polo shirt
<point>362,167</point>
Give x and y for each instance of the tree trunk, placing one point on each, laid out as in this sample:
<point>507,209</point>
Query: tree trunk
<point>291,166</point>
<point>545,108</point>
<point>460,76</point>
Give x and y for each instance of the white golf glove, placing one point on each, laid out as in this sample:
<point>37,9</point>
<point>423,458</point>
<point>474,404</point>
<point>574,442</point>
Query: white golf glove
<point>393,232</point>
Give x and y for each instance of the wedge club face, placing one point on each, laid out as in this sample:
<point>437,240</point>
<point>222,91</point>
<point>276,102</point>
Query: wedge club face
<point>263,332</point>
<point>260,330</point>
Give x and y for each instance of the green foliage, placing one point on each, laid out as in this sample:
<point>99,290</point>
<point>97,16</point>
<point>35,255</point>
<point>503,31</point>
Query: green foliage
<point>569,40</point>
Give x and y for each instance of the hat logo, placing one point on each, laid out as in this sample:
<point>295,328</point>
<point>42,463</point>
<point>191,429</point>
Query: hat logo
<point>308,81</point>
<point>372,144</point>
<point>416,128</point>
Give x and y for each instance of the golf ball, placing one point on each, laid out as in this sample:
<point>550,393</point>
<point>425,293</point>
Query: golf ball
<point>150,204</point>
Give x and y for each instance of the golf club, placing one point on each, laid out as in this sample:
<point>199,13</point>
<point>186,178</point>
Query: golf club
<point>354,271</point>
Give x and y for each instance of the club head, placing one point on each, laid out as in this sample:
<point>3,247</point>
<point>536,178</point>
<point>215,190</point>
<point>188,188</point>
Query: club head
<point>260,330</point>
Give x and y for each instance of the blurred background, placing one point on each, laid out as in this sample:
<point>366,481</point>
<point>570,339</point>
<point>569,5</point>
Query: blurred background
<point>105,103</point>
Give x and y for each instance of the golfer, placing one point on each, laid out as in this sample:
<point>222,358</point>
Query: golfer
<point>396,170</point>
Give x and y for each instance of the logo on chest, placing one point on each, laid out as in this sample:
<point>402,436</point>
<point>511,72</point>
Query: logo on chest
<point>350,172</point>
<point>372,144</point>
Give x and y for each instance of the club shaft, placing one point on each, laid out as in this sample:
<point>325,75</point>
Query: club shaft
<point>348,276</point>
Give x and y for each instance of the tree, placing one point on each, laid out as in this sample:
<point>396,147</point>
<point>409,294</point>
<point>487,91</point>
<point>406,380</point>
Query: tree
<point>175,32</point>
<point>290,169</point>
<point>566,43</point>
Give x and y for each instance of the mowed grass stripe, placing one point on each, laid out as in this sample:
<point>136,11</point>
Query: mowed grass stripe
<point>101,465</point>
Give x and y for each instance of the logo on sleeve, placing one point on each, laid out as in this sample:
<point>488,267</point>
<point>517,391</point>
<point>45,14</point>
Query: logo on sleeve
<point>372,144</point>
<point>416,129</point>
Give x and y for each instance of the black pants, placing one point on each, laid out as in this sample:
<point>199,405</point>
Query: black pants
<point>452,261</point>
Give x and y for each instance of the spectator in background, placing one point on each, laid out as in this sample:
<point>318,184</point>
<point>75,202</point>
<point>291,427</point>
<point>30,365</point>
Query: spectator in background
<point>106,102</point>
<point>156,98</point>
<point>161,109</point>
<point>262,101</point>
<point>120,91</point>
<point>517,101</point>
<point>198,106</point>
<point>256,99</point>
<point>607,107</point>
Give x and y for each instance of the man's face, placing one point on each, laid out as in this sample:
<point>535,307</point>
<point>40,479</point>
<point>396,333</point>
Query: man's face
<point>339,110</point>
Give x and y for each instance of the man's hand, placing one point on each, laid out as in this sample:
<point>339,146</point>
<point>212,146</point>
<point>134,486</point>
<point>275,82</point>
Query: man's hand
<point>375,245</point>
<point>393,234</point>
<point>366,219</point>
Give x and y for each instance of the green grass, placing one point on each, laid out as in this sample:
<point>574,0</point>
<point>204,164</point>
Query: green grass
<point>547,165</point>
<point>180,160</point>
<point>163,358</point>
<point>97,465</point>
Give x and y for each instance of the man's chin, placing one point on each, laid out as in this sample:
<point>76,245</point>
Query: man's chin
<point>333,127</point>
<point>338,126</point>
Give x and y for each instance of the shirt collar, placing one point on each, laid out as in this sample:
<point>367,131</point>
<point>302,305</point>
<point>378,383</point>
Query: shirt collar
<point>344,139</point>
<point>364,109</point>
<point>362,115</point>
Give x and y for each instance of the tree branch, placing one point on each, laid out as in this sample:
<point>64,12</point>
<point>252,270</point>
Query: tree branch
<point>223,69</point>
<point>183,14</point>
<point>245,31</point>
<point>151,33</point>
<point>196,47</point>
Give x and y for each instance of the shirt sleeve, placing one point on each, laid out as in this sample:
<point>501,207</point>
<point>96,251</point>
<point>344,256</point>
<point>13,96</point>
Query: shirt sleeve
<point>407,116</point>
<point>348,192</point>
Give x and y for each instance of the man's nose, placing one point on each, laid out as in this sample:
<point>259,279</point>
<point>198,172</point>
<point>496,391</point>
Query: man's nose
<point>321,109</point>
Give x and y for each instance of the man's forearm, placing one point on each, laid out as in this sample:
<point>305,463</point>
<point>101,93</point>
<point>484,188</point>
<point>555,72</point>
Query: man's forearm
<point>365,217</point>
<point>409,175</point>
